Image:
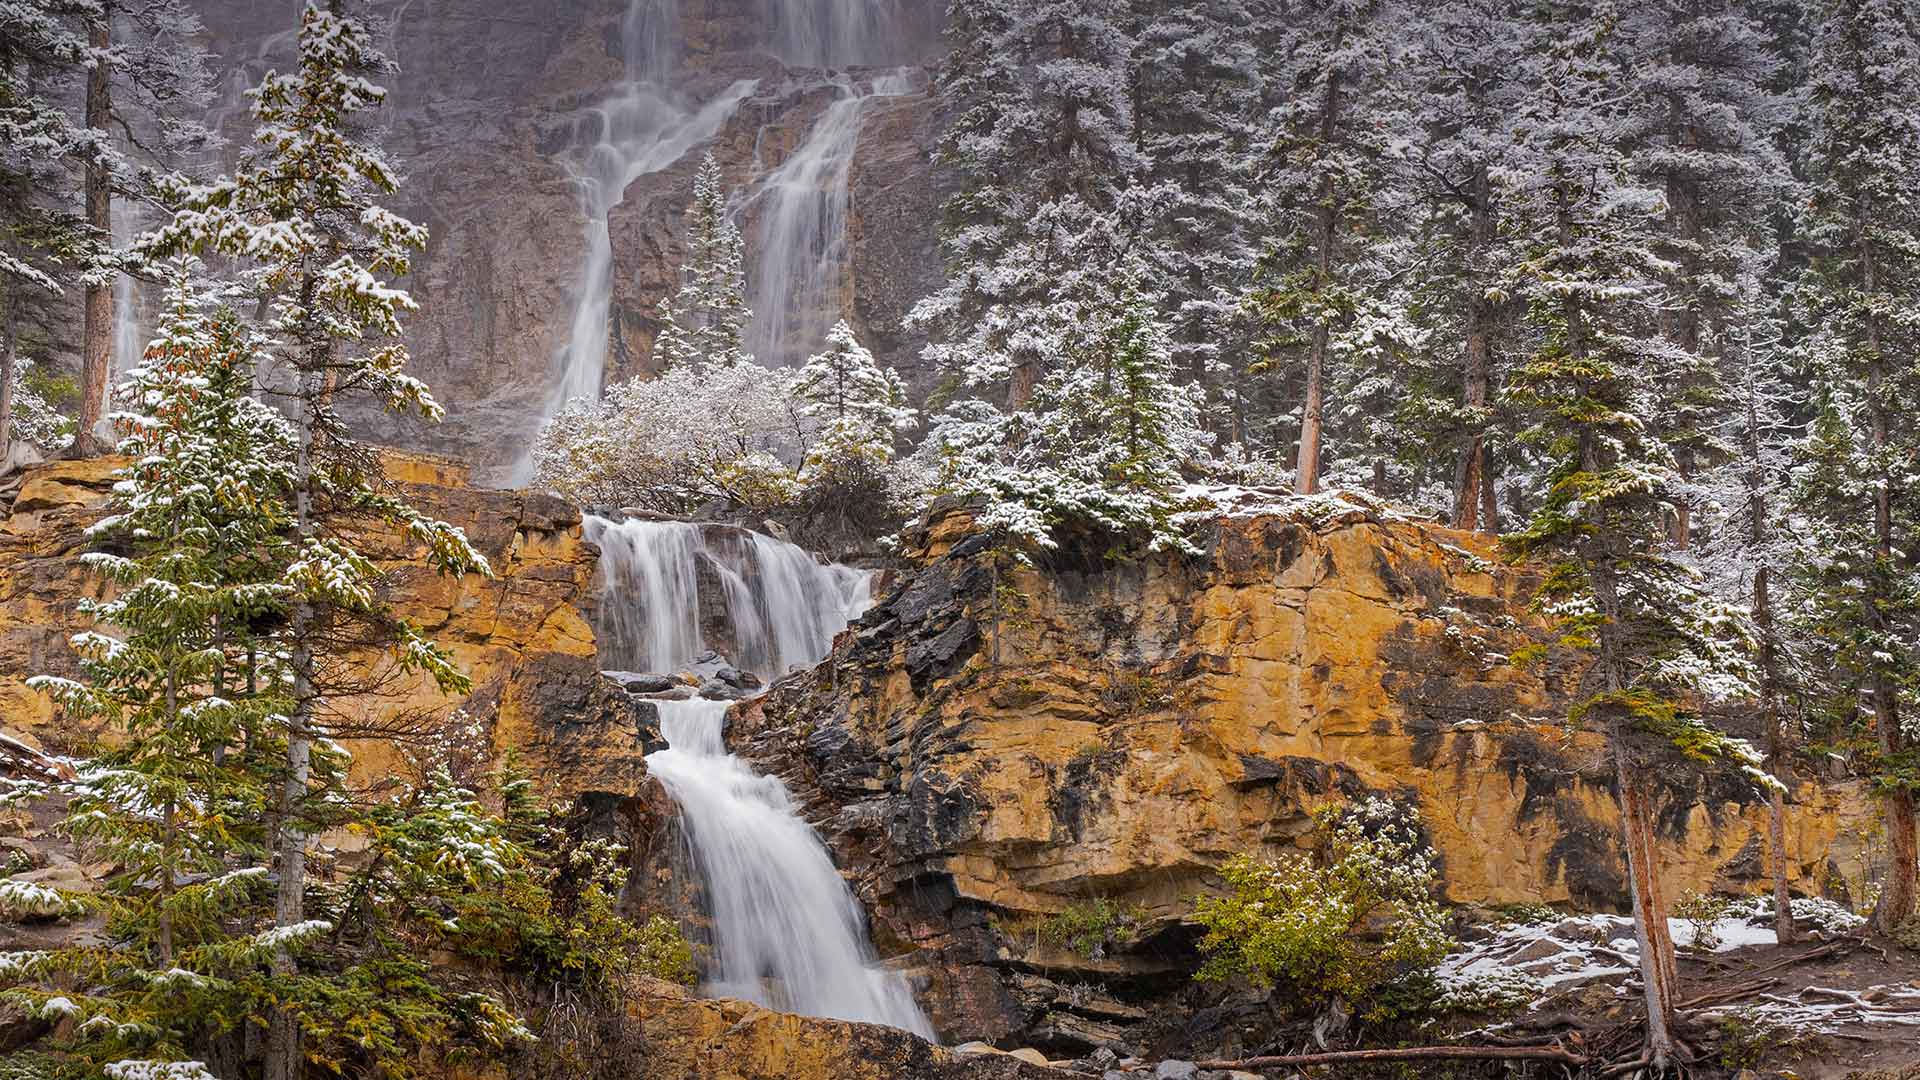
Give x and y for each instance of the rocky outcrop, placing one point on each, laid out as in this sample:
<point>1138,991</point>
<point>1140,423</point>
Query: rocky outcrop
<point>693,1039</point>
<point>523,634</point>
<point>993,743</point>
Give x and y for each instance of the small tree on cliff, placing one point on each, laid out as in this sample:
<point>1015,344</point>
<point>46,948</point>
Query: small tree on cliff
<point>302,210</point>
<point>703,323</point>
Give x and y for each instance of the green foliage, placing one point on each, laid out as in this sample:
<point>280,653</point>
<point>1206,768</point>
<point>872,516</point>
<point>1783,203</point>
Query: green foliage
<point>1344,922</point>
<point>1705,912</point>
<point>1745,1041</point>
<point>1091,926</point>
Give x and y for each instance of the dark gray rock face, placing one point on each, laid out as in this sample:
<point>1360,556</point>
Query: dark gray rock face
<point>490,98</point>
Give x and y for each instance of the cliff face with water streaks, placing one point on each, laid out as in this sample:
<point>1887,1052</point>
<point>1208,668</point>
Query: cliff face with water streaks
<point>988,747</point>
<point>495,99</point>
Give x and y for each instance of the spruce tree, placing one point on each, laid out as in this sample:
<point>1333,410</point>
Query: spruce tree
<point>1654,641</point>
<point>1321,181</point>
<point>1861,463</point>
<point>703,323</point>
<point>302,211</point>
<point>858,408</point>
<point>180,674</point>
<point>146,82</point>
<point>41,243</point>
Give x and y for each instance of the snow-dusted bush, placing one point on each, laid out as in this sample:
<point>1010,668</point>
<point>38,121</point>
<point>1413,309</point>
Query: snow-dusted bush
<point>672,443</point>
<point>1355,915</point>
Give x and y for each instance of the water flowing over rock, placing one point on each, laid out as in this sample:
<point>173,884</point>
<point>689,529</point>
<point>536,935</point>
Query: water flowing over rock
<point>786,931</point>
<point>672,590</point>
<point>551,155</point>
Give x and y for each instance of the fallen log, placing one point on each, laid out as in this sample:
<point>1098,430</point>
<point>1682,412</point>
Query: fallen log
<point>1411,1053</point>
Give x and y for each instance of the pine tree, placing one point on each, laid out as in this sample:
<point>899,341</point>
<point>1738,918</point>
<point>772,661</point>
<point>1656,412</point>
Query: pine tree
<point>40,242</point>
<point>190,691</point>
<point>146,81</point>
<point>703,323</point>
<point>1654,640</point>
<point>1102,446</point>
<point>1043,144</point>
<point>1199,92</point>
<point>1706,113</point>
<point>1861,464</point>
<point>302,209</point>
<point>1321,182</point>
<point>858,407</point>
<point>1460,78</point>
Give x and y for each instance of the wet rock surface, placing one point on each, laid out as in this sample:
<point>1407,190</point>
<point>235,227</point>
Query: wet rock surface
<point>991,745</point>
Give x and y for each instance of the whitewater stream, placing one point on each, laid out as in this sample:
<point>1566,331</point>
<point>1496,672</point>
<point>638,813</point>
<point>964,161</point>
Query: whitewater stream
<point>786,931</point>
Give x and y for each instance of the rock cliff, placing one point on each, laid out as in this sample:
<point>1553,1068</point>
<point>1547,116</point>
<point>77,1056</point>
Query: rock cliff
<point>523,635</point>
<point>992,744</point>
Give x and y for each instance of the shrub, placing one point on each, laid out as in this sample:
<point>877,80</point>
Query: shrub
<point>1745,1040</point>
<point>1704,912</point>
<point>1343,922</point>
<point>1088,928</point>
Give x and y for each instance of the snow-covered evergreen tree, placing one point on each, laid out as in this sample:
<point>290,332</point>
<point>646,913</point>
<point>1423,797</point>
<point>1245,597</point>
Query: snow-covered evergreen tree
<point>1654,639</point>
<point>1860,467</point>
<point>1706,114</point>
<point>180,672</point>
<point>42,243</point>
<point>1043,144</point>
<point>302,210</point>
<point>1102,444</point>
<point>146,84</point>
<point>1199,93</point>
<point>703,322</point>
<point>857,409</point>
<point>1322,201</point>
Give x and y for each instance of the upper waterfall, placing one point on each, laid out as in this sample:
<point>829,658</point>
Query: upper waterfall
<point>777,606</point>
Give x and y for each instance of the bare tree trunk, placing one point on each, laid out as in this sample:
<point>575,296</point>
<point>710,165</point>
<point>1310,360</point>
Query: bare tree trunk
<point>1306,475</point>
<point>1776,748</point>
<point>1471,477</point>
<point>9,333</point>
<point>97,332</point>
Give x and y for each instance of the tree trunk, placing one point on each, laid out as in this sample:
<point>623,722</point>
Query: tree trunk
<point>1776,744</point>
<point>1306,474</point>
<point>283,1036</point>
<point>9,332</point>
<point>1896,904</point>
<point>97,329</point>
<point>1683,321</point>
<point>1471,476</point>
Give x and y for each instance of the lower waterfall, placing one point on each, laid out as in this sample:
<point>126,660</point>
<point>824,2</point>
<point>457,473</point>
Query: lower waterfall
<point>786,931</point>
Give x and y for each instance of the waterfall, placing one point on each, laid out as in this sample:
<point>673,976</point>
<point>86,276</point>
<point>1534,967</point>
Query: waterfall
<point>799,248</point>
<point>781,606</point>
<point>832,33</point>
<point>643,128</point>
<point>787,932</point>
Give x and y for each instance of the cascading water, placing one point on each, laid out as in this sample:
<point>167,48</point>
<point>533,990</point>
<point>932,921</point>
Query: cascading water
<point>642,128</point>
<point>800,245</point>
<point>833,33</point>
<point>781,606</point>
<point>787,932</point>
